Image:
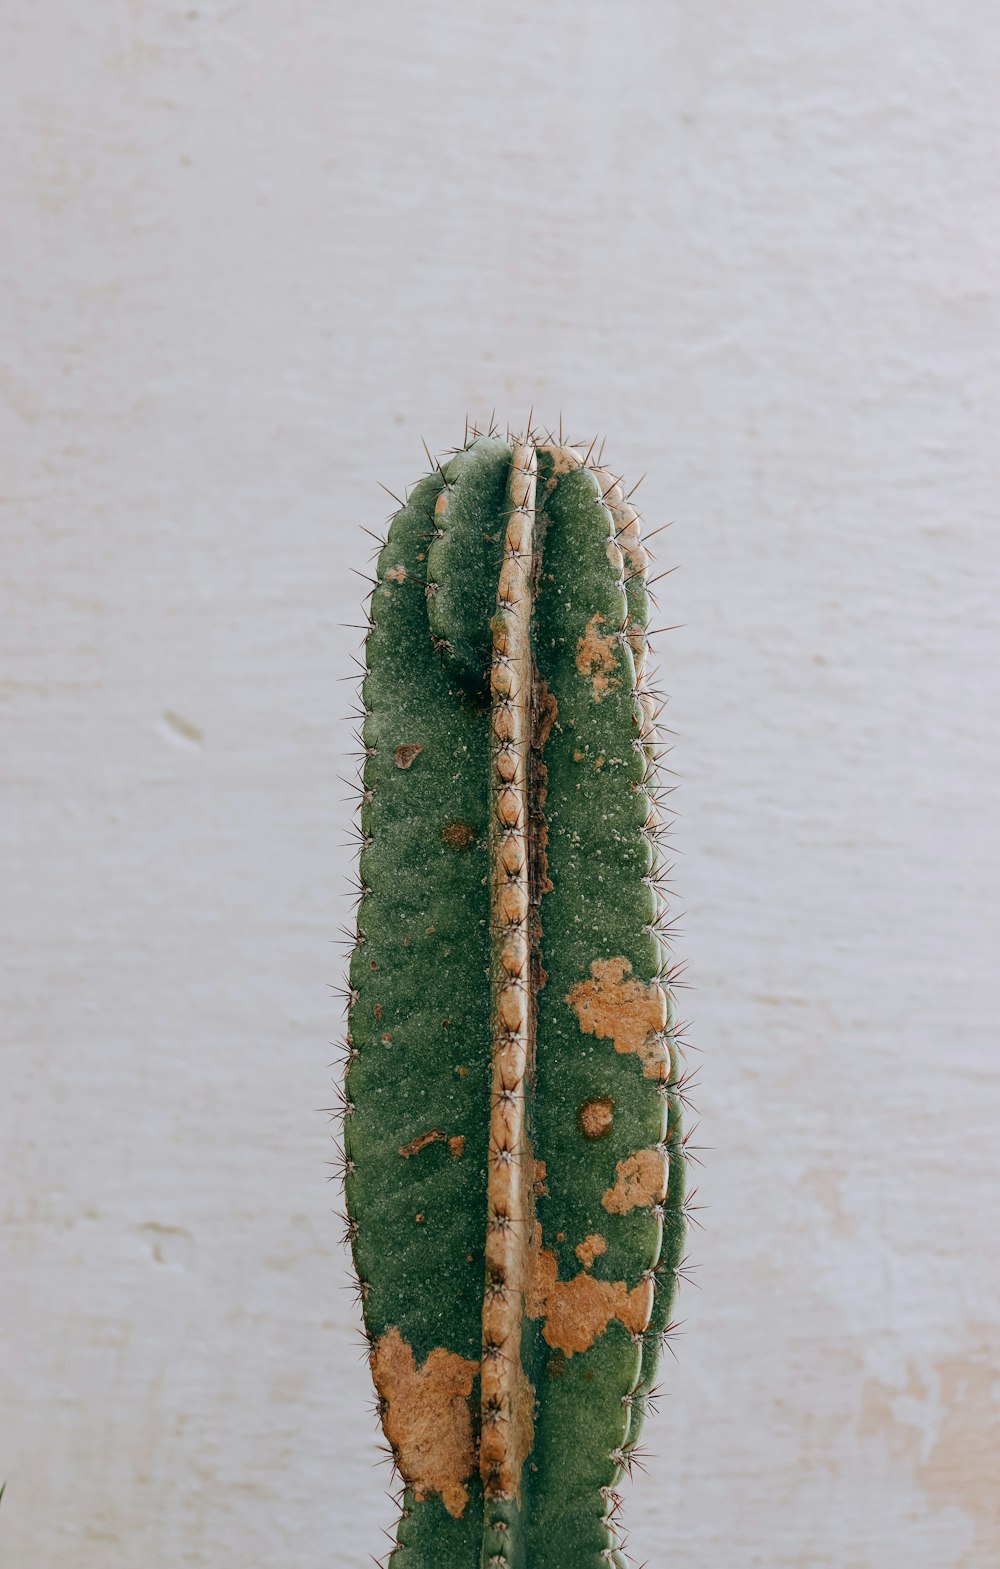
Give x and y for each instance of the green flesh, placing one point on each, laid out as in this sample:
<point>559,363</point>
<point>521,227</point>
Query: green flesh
<point>421,977</point>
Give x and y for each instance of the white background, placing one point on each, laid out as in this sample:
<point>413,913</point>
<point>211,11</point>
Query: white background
<point>253,253</point>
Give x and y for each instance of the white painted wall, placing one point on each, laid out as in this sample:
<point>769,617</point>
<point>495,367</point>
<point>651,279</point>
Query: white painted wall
<point>253,253</point>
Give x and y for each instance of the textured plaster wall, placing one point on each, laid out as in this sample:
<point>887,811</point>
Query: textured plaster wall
<point>251,254</point>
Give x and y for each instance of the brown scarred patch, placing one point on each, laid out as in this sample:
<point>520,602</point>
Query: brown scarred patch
<point>545,711</point>
<point>458,836</point>
<point>545,715</point>
<point>406,754</point>
<point>521,1434</point>
<point>538,1187</point>
<point>539,848</point>
<point>615,1006</point>
<point>434,1136</point>
<point>595,1117</point>
<point>640,1181</point>
<point>564,460</point>
<point>576,1312</point>
<point>397,574</point>
<point>456,1143</point>
<point>427,1417</point>
<point>589,1249</point>
<point>596,657</point>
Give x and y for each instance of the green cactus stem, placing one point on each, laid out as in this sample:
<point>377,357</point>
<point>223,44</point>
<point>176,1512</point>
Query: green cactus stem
<point>514,1166</point>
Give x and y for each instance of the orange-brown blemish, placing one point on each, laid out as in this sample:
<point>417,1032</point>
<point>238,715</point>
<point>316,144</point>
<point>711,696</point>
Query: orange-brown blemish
<point>538,1187</point>
<point>545,715</point>
<point>596,658</point>
<point>596,1117</point>
<point>421,1142</point>
<point>397,574</point>
<point>640,1181</point>
<point>576,1312</point>
<point>589,1249</point>
<point>406,754</point>
<point>456,1144</point>
<point>427,1417</point>
<point>458,836</point>
<point>615,1005</point>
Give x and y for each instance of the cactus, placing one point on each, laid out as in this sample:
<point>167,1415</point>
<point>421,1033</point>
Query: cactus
<point>513,1160</point>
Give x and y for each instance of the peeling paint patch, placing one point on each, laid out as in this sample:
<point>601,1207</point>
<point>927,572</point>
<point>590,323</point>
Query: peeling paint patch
<point>596,658</point>
<point>614,1005</point>
<point>640,1182</point>
<point>942,1425</point>
<point>427,1419</point>
<point>576,1312</point>
<point>406,754</point>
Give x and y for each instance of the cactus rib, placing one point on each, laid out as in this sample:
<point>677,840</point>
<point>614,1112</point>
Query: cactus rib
<point>504,1388</point>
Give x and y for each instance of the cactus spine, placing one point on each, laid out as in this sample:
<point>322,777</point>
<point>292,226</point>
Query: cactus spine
<point>514,1166</point>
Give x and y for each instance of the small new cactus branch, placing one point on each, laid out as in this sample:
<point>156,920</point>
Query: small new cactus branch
<point>512,1147</point>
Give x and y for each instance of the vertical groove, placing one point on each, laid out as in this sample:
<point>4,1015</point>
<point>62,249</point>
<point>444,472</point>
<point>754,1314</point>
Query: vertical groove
<point>506,1396</point>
